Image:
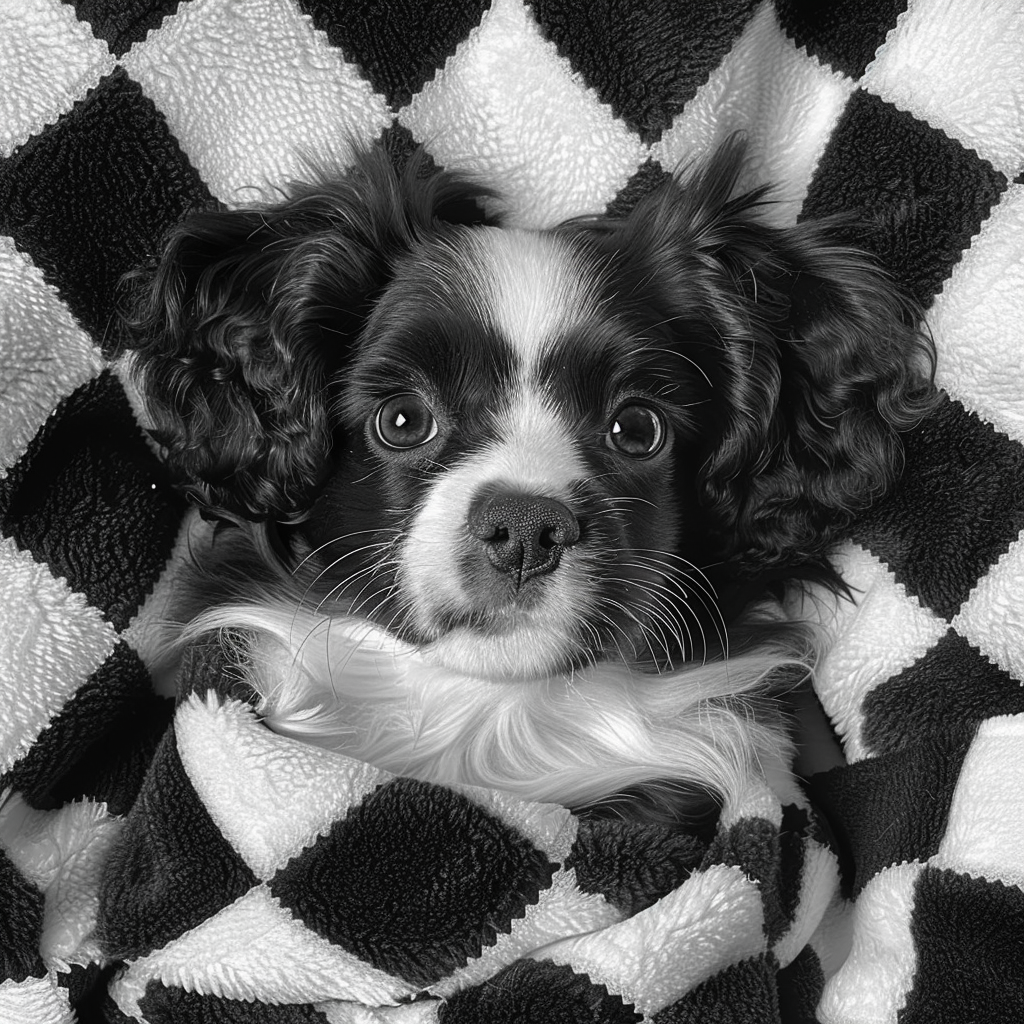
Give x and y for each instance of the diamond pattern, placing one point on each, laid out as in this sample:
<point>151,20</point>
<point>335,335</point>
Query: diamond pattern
<point>974,314</point>
<point>957,511</point>
<point>938,64</point>
<point>971,937</point>
<point>750,984</point>
<point>611,46</point>
<point>785,104</point>
<point>46,354</point>
<point>174,868</point>
<point>548,161</point>
<point>914,182</point>
<point>432,899</point>
<point>116,118</point>
<point>909,793</point>
<point>398,54</point>
<point>263,92</point>
<point>81,202</point>
<point>845,36</point>
<point>122,23</point>
<point>107,760</point>
<point>42,80</point>
<point>632,866</point>
<point>525,990</point>
<point>87,473</point>
<point>962,686</point>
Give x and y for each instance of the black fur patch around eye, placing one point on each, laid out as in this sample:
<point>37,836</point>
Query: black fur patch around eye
<point>430,338</point>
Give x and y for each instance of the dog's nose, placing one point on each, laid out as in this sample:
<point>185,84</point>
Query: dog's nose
<point>524,534</point>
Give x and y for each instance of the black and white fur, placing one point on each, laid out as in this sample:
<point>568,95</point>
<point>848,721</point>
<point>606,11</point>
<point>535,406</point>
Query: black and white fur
<point>514,507</point>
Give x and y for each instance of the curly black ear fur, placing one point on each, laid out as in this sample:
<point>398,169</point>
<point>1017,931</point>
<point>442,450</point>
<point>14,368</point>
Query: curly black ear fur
<point>814,355</point>
<point>243,325</point>
<point>835,369</point>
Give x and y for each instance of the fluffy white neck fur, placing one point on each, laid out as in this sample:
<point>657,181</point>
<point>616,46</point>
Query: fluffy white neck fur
<point>572,739</point>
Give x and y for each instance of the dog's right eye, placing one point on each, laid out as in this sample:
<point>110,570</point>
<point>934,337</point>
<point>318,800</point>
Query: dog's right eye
<point>405,421</point>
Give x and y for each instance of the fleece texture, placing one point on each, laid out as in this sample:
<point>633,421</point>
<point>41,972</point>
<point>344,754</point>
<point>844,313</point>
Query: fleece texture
<point>172,860</point>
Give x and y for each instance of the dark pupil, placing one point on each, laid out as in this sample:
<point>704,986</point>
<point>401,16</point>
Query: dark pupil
<point>635,430</point>
<point>405,421</point>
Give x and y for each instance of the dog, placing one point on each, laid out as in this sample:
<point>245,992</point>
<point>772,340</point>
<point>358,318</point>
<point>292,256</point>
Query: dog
<point>516,508</point>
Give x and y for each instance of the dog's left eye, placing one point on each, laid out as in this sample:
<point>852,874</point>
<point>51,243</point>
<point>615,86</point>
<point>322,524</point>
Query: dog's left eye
<point>405,421</point>
<point>636,430</point>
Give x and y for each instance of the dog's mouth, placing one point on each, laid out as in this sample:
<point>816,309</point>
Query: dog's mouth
<point>518,585</point>
<point>553,628</point>
<point>547,626</point>
<point>500,621</point>
<point>503,647</point>
<point>494,630</point>
<point>599,605</point>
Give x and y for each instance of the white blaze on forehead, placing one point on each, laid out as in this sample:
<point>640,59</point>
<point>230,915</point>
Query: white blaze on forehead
<point>535,450</point>
<point>530,287</point>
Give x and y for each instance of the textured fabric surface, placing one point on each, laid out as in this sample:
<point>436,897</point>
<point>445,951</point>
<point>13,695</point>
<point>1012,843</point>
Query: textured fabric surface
<point>177,862</point>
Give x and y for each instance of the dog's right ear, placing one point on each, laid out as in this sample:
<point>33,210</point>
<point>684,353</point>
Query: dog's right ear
<point>243,325</point>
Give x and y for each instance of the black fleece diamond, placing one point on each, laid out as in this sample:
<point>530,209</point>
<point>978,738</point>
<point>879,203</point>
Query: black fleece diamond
<point>894,808</point>
<point>91,197</point>
<point>416,880</point>
<point>398,47</point>
<point>540,992</point>
<point>632,866</point>
<point>952,682</point>
<point>123,22</point>
<point>956,510</point>
<point>171,869</point>
<point>755,846</point>
<point>91,500</point>
<point>969,937</point>
<point>743,993</point>
<point>100,744</point>
<point>843,35</point>
<point>645,61</point>
<point>21,924</point>
<point>800,986</point>
<point>166,1004</point>
<point>916,196</point>
<point>649,177</point>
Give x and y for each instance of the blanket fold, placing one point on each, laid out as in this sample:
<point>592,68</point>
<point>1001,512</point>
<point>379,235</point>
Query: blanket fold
<point>312,878</point>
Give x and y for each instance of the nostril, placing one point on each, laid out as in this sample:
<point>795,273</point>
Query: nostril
<point>562,534</point>
<point>488,531</point>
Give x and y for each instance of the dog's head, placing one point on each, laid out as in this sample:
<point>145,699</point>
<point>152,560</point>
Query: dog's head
<point>529,450</point>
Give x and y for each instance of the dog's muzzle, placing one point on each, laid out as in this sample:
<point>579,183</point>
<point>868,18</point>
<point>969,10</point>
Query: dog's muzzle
<point>524,535</point>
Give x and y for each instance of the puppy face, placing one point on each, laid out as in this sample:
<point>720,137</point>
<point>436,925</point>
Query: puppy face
<point>529,451</point>
<point>509,494</point>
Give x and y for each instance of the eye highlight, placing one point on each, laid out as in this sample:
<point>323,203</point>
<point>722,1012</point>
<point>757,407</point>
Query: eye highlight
<point>404,421</point>
<point>636,430</point>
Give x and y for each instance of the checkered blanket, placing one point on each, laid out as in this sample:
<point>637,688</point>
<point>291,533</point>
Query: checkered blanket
<point>171,860</point>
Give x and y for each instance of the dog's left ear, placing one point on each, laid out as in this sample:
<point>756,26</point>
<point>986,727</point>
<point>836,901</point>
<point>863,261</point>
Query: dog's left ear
<point>814,356</point>
<point>830,369</point>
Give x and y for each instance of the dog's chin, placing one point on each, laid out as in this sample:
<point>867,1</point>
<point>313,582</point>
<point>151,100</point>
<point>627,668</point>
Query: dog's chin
<point>509,646</point>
